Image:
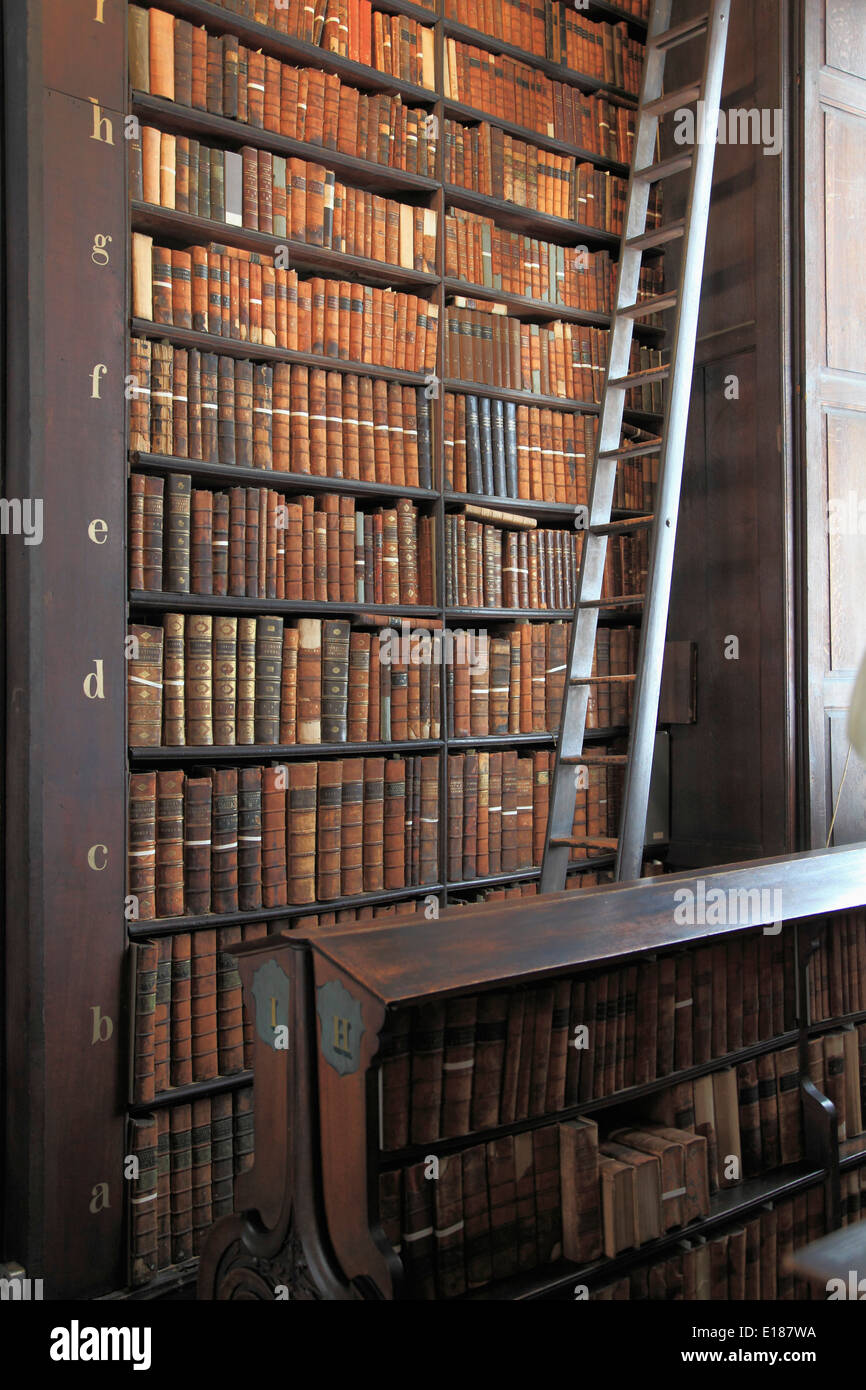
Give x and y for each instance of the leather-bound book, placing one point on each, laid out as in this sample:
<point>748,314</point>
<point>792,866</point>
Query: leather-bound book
<point>302,832</point>
<point>222,1158</point>
<point>197,796</point>
<point>358,700</point>
<point>200,1170</point>
<point>251,542</point>
<point>163,1184</point>
<point>204,1005</point>
<point>143,266</point>
<point>221,527</point>
<point>143,1205</point>
<point>501,1183</point>
<point>275,839</point>
<point>162,1017</point>
<point>476,1215</point>
<point>161,430</point>
<point>254,415</point>
<point>559,1039</point>
<point>226,410</point>
<point>201,548</point>
<point>144,679</point>
<point>494,813</point>
<point>352,828</point>
<point>250,839</point>
<point>242,1106</point>
<point>198,674</point>
<point>177,534</point>
<point>309,716</point>
<point>429,808</point>
<point>395,1081</point>
<point>374,824</point>
<point>139,401</point>
<point>161,50</point>
<point>198,69</point>
<point>230,1031</point>
<point>454,866</point>
<point>269,646</point>
<point>458,1064</point>
<point>169,844</point>
<point>748,1096</point>
<point>181,289</point>
<point>334,681</point>
<point>579,1178</point>
<point>490,1037</point>
<point>418,1241</point>
<point>179,403</point>
<point>246,681</point>
<point>144,962</point>
<point>428,1037</point>
<point>224,840</point>
<point>289,687</point>
<point>209,401</point>
<point>394,823</point>
<point>449,1228</point>
<point>181,970</point>
<point>139,49</point>
<point>328,830</point>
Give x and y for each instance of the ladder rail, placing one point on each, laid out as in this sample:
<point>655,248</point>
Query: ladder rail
<point>663,535</point>
<point>570,739</point>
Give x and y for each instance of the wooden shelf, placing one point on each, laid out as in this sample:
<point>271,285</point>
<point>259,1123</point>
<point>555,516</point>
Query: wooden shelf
<point>259,752</point>
<point>259,352</point>
<point>505,615</point>
<point>530,221</point>
<point>194,1090</point>
<point>731,1204</point>
<point>365,173</point>
<point>229,603</point>
<point>297,51</point>
<point>530,740</point>
<point>522,307</point>
<point>556,511</point>
<point>170,926</point>
<point>555,71</point>
<point>471,885</point>
<point>220,473</point>
<point>175,226</point>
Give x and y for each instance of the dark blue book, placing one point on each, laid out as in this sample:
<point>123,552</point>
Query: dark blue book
<point>498,429</point>
<point>473,446</point>
<point>486,447</point>
<point>511,448</point>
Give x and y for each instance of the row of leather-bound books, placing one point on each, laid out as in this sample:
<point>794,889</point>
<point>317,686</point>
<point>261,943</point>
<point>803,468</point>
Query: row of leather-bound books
<point>484,254</point>
<point>257,543</point>
<point>518,171</point>
<point>229,839</point>
<point>487,160</point>
<point>497,811</point>
<point>579,1038</point>
<point>177,54</point>
<point>511,680</point>
<point>551,30</point>
<point>289,198</point>
<point>282,416</point>
<point>534,453</point>
<point>505,87</point>
<point>484,343</point>
<point>488,566</point>
<point>247,296</point>
<point>189,1155</point>
<point>200,680</point>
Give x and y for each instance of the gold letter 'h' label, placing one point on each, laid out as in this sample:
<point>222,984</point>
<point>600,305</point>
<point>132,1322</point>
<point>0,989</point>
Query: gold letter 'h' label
<point>341,1035</point>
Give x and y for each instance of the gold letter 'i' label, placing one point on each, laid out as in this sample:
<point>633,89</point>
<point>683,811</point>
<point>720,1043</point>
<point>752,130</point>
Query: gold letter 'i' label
<point>99,17</point>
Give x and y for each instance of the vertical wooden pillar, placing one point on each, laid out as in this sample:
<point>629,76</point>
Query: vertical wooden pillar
<point>66,270</point>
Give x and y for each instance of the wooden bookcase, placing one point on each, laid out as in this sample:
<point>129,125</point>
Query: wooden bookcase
<point>309,1222</point>
<point>68,295</point>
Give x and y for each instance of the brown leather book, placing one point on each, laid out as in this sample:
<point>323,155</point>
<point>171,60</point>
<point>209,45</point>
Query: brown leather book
<point>203,1005</point>
<point>358,699</point>
<point>310,680</point>
<point>476,1211</point>
<point>162,1016</point>
<point>230,1031</point>
<point>161,51</point>
<point>275,839</point>
<point>428,1029</point>
<point>169,844</point>
<point>198,677</point>
<point>394,852</point>
<point>224,840</point>
<point>328,829</point>
<point>162,434</point>
<point>246,681</point>
<point>418,1240</point>
<point>269,646</point>
<point>458,1064</point>
<point>201,546</point>
<point>197,796</point>
<point>181,970</point>
<point>200,1170</point>
<point>352,828</point>
<point>222,1164</point>
<point>143,1234</point>
<point>374,824</point>
<point>429,811</point>
<point>177,533</point>
<point>579,1177</point>
<point>748,1096</point>
<point>396,1076</point>
<point>144,962</point>
<point>289,686</point>
<point>250,839</point>
<point>139,402</point>
<point>335,682</point>
<point>144,679</point>
<point>302,832</point>
<point>501,1182</point>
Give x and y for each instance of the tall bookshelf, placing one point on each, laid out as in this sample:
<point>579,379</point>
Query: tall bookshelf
<point>80,49</point>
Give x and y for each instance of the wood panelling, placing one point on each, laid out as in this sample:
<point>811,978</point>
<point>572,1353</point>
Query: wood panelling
<point>832,425</point>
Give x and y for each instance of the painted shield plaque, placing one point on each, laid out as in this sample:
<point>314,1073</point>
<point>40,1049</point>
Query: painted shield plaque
<point>271,993</point>
<point>342,1027</point>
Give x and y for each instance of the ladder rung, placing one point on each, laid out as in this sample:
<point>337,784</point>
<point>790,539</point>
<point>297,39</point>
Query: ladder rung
<point>614,528</point>
<point>664,169</point>
<point>655,304</point>
<point>595,759</point>
<point>680,33</point>
<point>682,97</point>
<point>631,451</point>
<point>660,236</point>
<point>649,374</point>
<point>561,841</point>
<point>600,680</point>
<point>624,601</point>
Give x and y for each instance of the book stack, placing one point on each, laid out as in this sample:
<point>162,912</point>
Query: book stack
<point>512,681</point>
<point>490,567</point>
<point>515,91</point>
<point>487,160</point>
<point>203,680</point>
<point>215,73</point>
<point>256,543</point>
<point>748,1260</point>
<point>229,839</point>
<point>351,28</point>
<point>280,416</point>
<point>245,295</point>
<point>288,198</point>
<point>188,1157</point>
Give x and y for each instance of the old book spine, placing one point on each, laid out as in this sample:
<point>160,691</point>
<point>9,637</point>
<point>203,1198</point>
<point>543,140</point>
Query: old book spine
<point>200,1170</point>
<point>310,680</point>
<point>246,681</point>
<point>302,832</point>
<point>269,644</point>
<point>203,1005</point>
<point>396,1081</point>
<point>334,682</point>
<point>181,1053</point>
<point>458,1064</point>
<point>177,539</point>
<point>169,844</point>
<point>174,723</point>
<point>352,828</point>
<point>328,830</point>
<point>198,674</point>
<point>143,1200</point>
<point>374,824</point>
<point>289,687</point>
<point>249,839</point>
<point>224,836</point>
<point>275,870</point>
<point>230,1030</point>
<point>428,1026</point>
<point>394,823</point>
<point>197,794</point>
<point>145,686</point>
<point>145,956</point>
